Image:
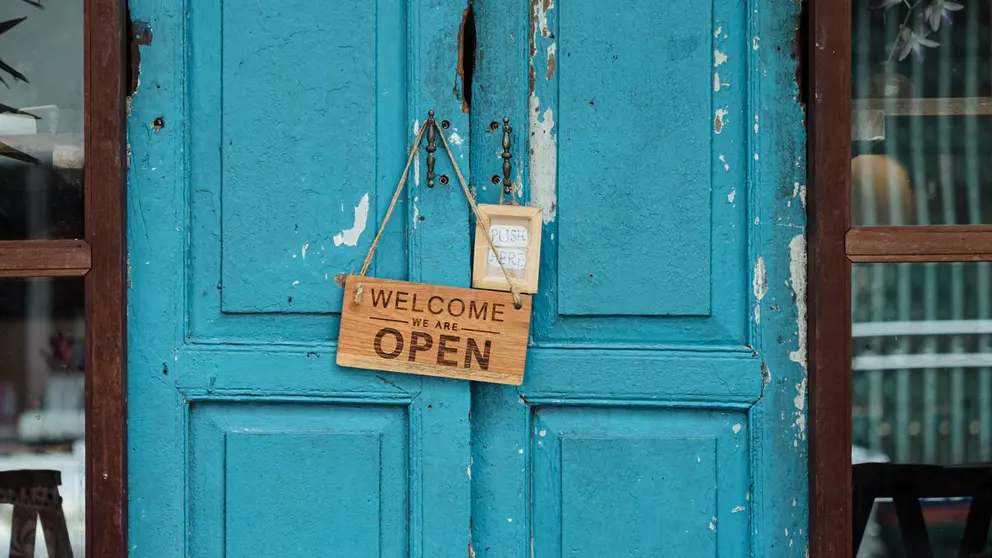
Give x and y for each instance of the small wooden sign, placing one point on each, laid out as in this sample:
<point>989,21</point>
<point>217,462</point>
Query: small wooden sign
<point>516,234</point>
<point>415,328</point>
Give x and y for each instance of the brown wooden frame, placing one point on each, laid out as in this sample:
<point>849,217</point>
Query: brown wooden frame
<point>100,258</point>
<point>833,246</point>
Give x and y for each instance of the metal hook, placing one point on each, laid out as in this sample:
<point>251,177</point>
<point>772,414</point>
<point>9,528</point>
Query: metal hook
<point>507,183</point>
<point>431,148</point>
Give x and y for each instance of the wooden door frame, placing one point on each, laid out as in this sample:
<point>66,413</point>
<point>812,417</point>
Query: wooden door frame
<point>106,298</point>
<point>828,87</point>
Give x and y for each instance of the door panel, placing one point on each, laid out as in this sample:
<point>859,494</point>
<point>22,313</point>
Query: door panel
<point>638,174</point>
<point>669,477</point>
<point>298,480</point>
<point>663,407</point>
<point>285,129</point>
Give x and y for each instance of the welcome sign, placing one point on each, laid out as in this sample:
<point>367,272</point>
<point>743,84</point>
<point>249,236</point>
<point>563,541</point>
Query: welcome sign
<point>415,328</point>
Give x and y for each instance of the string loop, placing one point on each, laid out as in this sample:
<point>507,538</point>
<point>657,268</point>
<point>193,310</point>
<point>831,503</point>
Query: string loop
<point>359,287</point>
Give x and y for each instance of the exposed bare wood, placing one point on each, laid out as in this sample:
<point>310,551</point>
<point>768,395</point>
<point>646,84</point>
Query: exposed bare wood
<point>44,258</point>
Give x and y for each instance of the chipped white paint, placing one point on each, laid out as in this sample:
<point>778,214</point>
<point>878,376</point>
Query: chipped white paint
<point>416,211</point>
<point>738,509</point>
<point>295,283</point>
<point>737,428</point>
<point>543,171</point>
<point>543,433</point>
<point>721,115</point>
<point>455,139</point>
<point>541,16</point>
<point>755,123</point>
<point>716,81</point>
<point>797,276</point>
<point>303,251</point>
<point>726,166</point>
<point>716,33</point>
<point>718,58</point>
<point>416,160</point>
<point>732,195</point>
<point>712,526</point>
<point>468,470</point>
<point>754,42</point>
<point>509,520</point>
<point>521,450</point>
<point>760,281</point>
<point>349,237</point>
<point>755,156</point>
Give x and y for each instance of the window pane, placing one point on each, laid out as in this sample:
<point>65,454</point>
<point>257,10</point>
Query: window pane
<point>41,119</point>
<point>922,88</point>
<point>921,392</point>
<point>42,393</point>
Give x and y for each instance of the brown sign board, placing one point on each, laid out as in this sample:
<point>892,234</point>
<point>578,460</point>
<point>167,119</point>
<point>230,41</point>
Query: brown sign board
<point>414,328</point>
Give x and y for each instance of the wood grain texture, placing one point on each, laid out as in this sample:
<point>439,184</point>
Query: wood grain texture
<point>828,52</point>
<point>44,258</point>
<point>919,243</point>
<point>104,92</point>
<point>431,330</point>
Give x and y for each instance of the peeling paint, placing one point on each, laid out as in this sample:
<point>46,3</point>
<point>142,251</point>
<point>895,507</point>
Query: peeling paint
<point>349,237</point>
<point>717,32</point>
<point>551,61</point>
<point>738,509</point>
<point>416,211</point>
<point>755,123</point>
<point>723,160</point>
<point>797,276</point>
<point>718,58</point>
<point>416,160</point>
<point>754,42</point>
<point>760,281</point>
<point>732,195</point>
<point>716,81</point>
<point>303,251</point>
<point>737,428</point>
<point>718,121</point>
<point>455,139</point>
<point>543,166</point>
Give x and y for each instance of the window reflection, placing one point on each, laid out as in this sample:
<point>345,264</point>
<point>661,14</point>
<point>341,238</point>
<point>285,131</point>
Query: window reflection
<point>921,396</point>
<point>922,89</point>
<point>42,332</point>
<point>41,119</point>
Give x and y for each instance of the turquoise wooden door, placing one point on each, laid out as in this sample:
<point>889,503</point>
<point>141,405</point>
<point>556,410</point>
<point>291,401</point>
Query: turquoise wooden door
<point>663,408</point>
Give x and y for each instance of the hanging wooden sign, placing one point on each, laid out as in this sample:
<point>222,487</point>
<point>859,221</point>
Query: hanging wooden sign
<point>515,231</point>
<point>416,328</point>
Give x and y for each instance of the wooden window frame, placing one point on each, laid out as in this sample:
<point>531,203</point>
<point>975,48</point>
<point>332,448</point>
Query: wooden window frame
<point>833,246</point>
<point>99,258</point>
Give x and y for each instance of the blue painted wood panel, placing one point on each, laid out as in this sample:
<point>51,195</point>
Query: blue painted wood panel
<point>281,479</point>
<point>636,482</point>
<point>231,364</point>
<point>634,158</point>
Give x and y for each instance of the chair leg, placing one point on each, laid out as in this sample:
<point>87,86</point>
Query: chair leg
<point>22,532</point>
<point>56,533</point>
<point>976,530</point>
<point>912,526</point>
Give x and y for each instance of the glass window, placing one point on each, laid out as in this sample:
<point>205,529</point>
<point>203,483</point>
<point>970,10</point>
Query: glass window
<point>42,333</point>
<point>922,100</point>
<point>922,393</point>
<point>41,119</point>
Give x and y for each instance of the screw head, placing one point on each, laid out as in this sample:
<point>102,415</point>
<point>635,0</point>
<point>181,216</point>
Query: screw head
<point>443,180</point>
<point>496,179</point>
<point>493,126</point>
<point>445,124</point>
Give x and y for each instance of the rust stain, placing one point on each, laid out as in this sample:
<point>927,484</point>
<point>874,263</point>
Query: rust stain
<point>718,124</point>
<point>551,66</point>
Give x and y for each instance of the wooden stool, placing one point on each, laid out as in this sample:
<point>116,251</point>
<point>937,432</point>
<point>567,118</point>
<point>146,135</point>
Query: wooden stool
<point>35,494</point>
